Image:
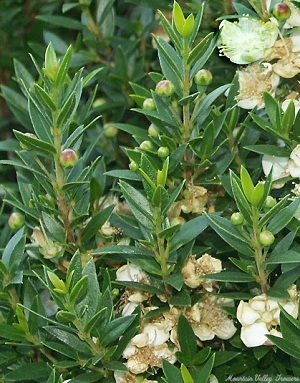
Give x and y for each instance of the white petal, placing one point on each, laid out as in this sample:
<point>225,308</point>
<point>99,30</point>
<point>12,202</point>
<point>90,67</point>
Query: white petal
<point>226,329</point>
<point>203,332</point>
<point>245,314</point>
<point>136,367</point>
<point>129,308</point>
<point>293,169</point>
<point>129,351</point>
<point>292,309</point>
<point>129,273</point>
<point>254,335</point>
<point>277,164</point>
<point>156,334</point>
<point>140,340</point>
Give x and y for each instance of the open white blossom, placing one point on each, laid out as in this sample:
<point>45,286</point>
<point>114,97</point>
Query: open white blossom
<point>294,162</point>
<point>207,319</point>
<point>246,41</point>
<point>195,268</point>
<point>286,103</point>
<point>149,348</point>
<point>254,81</point>
<point>260,317</point>
<point>278,165</point>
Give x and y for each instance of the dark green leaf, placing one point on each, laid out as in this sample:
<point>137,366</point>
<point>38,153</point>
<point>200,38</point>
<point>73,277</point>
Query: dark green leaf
<point>172,373</point>
<point>69,339</point>
<point>229,234</point>
<point>187,339</point>
<point>230,276</point>
<point>283,217</point>
<point>115,329</point>
<point>96,223</point>
<point>189,231</point>
<point>29,371</point>
<point>61,21</point>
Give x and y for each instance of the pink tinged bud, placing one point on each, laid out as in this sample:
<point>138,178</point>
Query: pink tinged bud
<point>149,104</point>
<point>281,11</point>
<point>16,221</point>
<point>165,88</point>
<point>68,158</point>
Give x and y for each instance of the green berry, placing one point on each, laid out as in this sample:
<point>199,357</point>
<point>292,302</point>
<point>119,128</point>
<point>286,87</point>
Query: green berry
<point>281,11</point>
<point>203,77</point>
<point>237,218</point>
<point>165,88</point>
<point>68,158</point>
<point>133,166</point>
<point>99,102</point>
<point>270,202</point>
<point>146,145</point>
<point>266,238</point>
<point>163,151</point>
<point>153,131</point>
<point>149,104</point>
<point>16,221</point>
<point>110,130</point>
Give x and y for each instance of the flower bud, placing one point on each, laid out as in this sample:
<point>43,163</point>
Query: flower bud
<point>203,77</point>
<point>270,202</point>
<point>110,130</point>
<point>163,151</point>
<point>153,131</point>
<point>133,166</point>
<point>146,145</point>
<point>177,221</point>
<point>149,104</point>
<point>281,11</point>
<point>165,88</point>
<point>68,158</point>
<point>266,238</point>
<point>99,102</point>
<point>237,219</point>
<point>16,221</point>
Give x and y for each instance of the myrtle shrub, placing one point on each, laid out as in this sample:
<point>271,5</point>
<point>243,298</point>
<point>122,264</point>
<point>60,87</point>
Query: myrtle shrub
<point>150,195</point>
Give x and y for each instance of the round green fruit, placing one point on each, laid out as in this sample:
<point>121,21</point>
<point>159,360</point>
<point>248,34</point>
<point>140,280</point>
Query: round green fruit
<point>149,104</point>
<point>16,221</point>
<point>237,218</point>
<point>266,238</point>
<point>163,151</point>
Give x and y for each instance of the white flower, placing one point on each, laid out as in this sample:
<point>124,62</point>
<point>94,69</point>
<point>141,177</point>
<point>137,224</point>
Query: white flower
<point>195,268</point>
<point>246,41</point>
<point>208,320</point>
<point>148,348</point>
<point>278,165</point>
<point>254,81</point>
<point>294,162</point>
<point>130,273</point>
<point>260,317</point>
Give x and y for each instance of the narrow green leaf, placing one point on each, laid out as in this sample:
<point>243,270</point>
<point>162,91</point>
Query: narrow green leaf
<point>197,52</point>
<point>186,376</point>
<point>187,339</point>
<point>230,276</point>
<point>61,21</point>
<point>204,373</point>
<point>247,184</point>
<point>34,143</point>
<point>54,228</point>
<point>288,347</point>
<point>241,201</point>
<point>115,329</point>
<point>289,256</point>
<point>63,68</point>
<point>172,373</point>
<point>96,223</point>
<point>283,217</point>
<point>30,371</point>
<point>189,231</point>
<point>229,234</point>
<point>44,97</point>
<point>79,291</point>
<point>69,339</point>
<point>67,110</point>
<point>13,253</point>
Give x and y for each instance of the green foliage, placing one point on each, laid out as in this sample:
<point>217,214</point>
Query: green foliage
<point>132,174</point>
